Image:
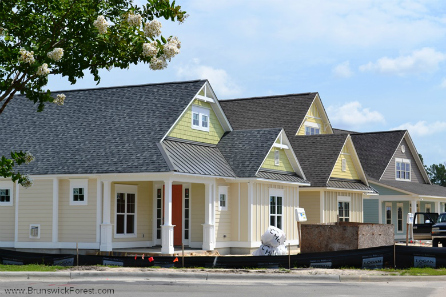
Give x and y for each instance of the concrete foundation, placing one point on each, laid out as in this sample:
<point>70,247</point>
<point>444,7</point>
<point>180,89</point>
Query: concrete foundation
<point>344,236</point>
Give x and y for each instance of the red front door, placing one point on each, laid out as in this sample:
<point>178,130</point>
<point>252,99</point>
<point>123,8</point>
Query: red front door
<point>177,214</point>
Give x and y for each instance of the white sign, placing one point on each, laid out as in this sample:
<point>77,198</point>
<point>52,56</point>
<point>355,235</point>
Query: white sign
<point>410,218</point>
<point>300,215</point>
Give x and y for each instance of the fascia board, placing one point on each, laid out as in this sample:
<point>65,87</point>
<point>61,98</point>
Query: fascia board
<point>221,116</point>
<point>358,161</point>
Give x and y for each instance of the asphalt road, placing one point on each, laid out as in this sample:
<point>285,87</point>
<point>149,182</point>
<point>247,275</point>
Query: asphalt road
<point>225,288</point>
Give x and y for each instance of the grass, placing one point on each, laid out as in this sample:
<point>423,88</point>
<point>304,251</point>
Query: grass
<point>416,271</point>
<point>31,267</point>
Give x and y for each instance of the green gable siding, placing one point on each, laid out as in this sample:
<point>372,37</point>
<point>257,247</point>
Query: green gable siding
<point>371,211</point>
<point>284,163</point>
<point>183,128</point>
<point>386,191</point>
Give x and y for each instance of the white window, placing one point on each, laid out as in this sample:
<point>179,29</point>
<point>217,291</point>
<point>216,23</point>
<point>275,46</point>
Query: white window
<point>276,158</point>
<point>78,191</point>
<point>399,209</point>
<point>312,128</point>
<point>344,208</point>
<point>275,207</point>
<point>6,193</point>
<point>343,164</point>
<point>402,169</point>
<point>223,198</point>
<point>200,118</point>
<point>388,213</point>
<point>125,224</point>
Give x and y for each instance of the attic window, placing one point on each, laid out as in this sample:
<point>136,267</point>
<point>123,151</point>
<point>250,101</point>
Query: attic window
<point>402,169</point>
<point>276,158</point>
<point>343,164</point>
<point>200,118</point>
<point>312,128</point>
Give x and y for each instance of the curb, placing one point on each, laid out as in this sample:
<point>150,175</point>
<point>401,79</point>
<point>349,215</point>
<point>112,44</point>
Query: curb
<point>205,276</point>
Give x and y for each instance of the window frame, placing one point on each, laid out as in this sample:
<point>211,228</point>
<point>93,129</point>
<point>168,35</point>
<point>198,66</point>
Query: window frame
<point>276,157</point>
<point>388,204</point>
<point>398,219</point>
<point>202,112</point>
<point>276,193</point>
<point>78,183</point>
<point>403,161</point>
<point>344,199</point>
<point>126,189</point>
<point>223,190</point>
<point>8,185</point>
<point>312,126</point>
<point>343,164</point>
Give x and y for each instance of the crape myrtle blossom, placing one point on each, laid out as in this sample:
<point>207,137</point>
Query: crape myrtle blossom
<point>149,49</point>
<point>172,48</point>
<point>152,29</point>
<point>26,181</point>
<point>56,54</point>
<point>157,63</point>
<point>28,158</point>
<point>26,57</point>
<point>43,70</point>
<point>60,99</point>
<point>134,19</point>
<point>101,24</point>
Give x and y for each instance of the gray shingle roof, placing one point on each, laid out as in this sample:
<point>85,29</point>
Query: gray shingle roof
<point>350,185</point>
<point>415,188</point>
<point>317,155</point>
<point>375,150</point>
<point>105,130</point>
<point>197,159</point>
<point>245,150</point>
<point>342,131</point>
<point>287,111</point>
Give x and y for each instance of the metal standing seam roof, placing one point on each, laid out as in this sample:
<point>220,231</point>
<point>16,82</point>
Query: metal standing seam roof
<point>197,159</point>
<point>290,177</point>
<point>285,111</point>
<point>104,130</point>
<point>376,149</point>
<point>349,185</point>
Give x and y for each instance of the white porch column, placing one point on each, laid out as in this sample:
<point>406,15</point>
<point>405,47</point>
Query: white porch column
<point>437,207</point>
<point>55,235</point>
<point>167,227</point>
<point>16,220</point>
<point>208,226</point>
<point>413,204</point>
<point>106,226</point>
<point>250,199</point>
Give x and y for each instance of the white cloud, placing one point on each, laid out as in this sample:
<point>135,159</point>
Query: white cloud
<point>343,70</point>
<point>422,128</point>
<point>443,83</point>
<point>221,82</point>
<point>420,61</point>
<point>353,115</point>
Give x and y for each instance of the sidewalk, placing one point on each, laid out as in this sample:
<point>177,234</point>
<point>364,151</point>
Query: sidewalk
<point>188,275</point>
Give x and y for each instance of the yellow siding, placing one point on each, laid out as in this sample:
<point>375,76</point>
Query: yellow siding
<point>36,207</point>
<point>260,215</point>
<point>77,223</point>
<point>233,198</point>
<point>350,172</point>
<point>313,116</point>
<point>7,219</point>
<point>183,128</point>
<point>144,211</point>
<point>331,206</point>
<point>311,202</point>
<point>197,212</point>
<point>223,219</point>
<point>284,164</point>
<point>243,212</point>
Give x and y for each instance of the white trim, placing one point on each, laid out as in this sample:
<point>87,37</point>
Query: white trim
<point>31,226</point>
<point>8,185</point>
<point>55,228</point>
<point>343,164</point>
<point>405,161</point>
<point>7,244</point>
<point>16,219</point>
<point>276,193</point>
<point>126,189</point>
<point>98,209</point>
<point>156,186</point>
<point>223,190</point>
<point>322,206</point>
<point>79,183</point>
<point>386,204</point>
<point>402,218</point>
<point>281,146</point>
<point>312,125</point>
<point>347,199</point>
<point>204,99</point>
<point>238,222</point>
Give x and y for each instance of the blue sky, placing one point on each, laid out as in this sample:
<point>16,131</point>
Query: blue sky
<point>377,65</point>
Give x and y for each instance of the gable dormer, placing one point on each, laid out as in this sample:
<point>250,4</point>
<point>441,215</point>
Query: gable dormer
<point>316,120</point>
<point>348,165</point>
<point>203,119</point>
<point>405,164</point>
